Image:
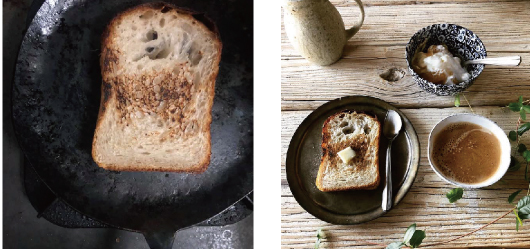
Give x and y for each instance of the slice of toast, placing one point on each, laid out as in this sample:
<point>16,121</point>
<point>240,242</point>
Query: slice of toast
<point>361,133</point>
<point>159,65</point>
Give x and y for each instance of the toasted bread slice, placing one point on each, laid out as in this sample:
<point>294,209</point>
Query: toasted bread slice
<point>361,133</point>
<point>159,65</point>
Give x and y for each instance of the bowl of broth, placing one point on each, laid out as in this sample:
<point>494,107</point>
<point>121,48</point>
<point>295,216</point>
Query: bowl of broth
<point>469,151</point>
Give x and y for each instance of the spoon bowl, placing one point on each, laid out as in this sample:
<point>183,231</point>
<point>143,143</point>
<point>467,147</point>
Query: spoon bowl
<point>392,124</point>
<point>391,128</point>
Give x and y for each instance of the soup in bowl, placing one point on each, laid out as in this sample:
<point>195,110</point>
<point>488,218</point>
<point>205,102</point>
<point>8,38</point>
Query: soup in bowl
<point>469,151</point>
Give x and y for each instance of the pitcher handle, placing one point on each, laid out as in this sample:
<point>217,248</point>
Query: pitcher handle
<point>350,32</point>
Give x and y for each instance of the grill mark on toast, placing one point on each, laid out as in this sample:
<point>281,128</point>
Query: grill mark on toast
<point>137,95</point>
<point>109,59</point>
<point>107,91</point>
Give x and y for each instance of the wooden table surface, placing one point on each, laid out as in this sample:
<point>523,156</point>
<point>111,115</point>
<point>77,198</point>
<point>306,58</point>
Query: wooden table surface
<point>504,27</point>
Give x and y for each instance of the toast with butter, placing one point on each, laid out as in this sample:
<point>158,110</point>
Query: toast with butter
<point>350,152</point>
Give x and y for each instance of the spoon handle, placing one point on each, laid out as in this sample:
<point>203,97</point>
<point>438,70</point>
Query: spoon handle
<point>387,192</point>
<point>499,61</point>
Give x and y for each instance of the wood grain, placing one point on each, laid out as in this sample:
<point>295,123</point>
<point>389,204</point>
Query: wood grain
<point>369,3</point>
<point>425,204</point>
<point>501,25</point>
<point>360,75</point>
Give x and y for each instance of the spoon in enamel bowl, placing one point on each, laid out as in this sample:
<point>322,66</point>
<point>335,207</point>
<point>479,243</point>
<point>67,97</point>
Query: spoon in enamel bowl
<point>499,61</point>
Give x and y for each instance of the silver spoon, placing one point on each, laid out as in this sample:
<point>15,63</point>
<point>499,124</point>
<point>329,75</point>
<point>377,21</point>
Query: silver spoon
<point>499,61</point>
<point>391,129</point>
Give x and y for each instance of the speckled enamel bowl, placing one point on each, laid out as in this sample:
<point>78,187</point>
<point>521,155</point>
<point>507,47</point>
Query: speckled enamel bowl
<point>460,41</point>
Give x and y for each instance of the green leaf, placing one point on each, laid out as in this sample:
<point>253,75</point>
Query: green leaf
<point>395,245</point>
<point>523,202</point>
<point>525,210</point>
<point>521,148</point>
<point>512,135</point>
<point>526,155</point>
<point>523,128</point>
<point>523,114</point>
<point>515,107</point>
<point>520,100</point>
<point>518,220</point>
<point>417,238</point>
<point>526,108</point>
<point>523,206</point>
<point>408,234</point>
<point>457,100</point>
<point>513,195</point>
<point>455,194</point>
<point>320,235</point>
<point>524,216</point>
<point>515,165</point>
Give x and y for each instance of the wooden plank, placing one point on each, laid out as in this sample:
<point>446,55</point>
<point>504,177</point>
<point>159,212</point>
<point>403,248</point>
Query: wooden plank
<point>425,204</point>
<point>359,74</point>
<point>441,221</point>
<point>502,26</point>
<point>412,2</point>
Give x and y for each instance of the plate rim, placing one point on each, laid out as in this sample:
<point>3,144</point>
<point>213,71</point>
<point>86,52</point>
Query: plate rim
<point>291,161</point>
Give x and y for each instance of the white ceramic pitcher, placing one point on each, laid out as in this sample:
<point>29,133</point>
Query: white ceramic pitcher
<point>316,30</point>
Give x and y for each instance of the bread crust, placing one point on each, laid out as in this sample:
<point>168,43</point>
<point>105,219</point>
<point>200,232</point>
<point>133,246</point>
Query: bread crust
<point>110,58</point>
<point>325,156</point>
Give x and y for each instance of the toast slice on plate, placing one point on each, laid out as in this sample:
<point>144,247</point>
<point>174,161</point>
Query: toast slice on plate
<point>350,152</point>
<point>158,64</point>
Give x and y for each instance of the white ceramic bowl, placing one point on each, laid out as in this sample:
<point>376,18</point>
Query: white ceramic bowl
<point>485,123</point>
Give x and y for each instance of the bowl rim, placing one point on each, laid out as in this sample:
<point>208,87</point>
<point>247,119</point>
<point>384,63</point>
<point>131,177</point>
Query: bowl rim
<point>455,88</point>
<point>501,171</point>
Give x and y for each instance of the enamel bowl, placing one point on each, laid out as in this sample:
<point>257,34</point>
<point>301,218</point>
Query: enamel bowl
<point>460,41</point>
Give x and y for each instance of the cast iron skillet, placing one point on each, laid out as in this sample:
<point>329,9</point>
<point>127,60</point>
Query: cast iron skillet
<point>56,95</point>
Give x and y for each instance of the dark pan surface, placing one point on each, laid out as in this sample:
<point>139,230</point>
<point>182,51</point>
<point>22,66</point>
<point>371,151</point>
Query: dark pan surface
<point>356,206</point>
<point>56,94</point>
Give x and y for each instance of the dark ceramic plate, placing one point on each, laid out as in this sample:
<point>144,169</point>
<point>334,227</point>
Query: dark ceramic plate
<point>356,206</point>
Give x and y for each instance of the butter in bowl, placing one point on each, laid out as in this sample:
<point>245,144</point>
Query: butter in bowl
<point>445,59</point>
<point>435,55</point>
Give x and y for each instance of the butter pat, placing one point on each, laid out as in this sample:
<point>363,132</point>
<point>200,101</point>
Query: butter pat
<point>346,154</point>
